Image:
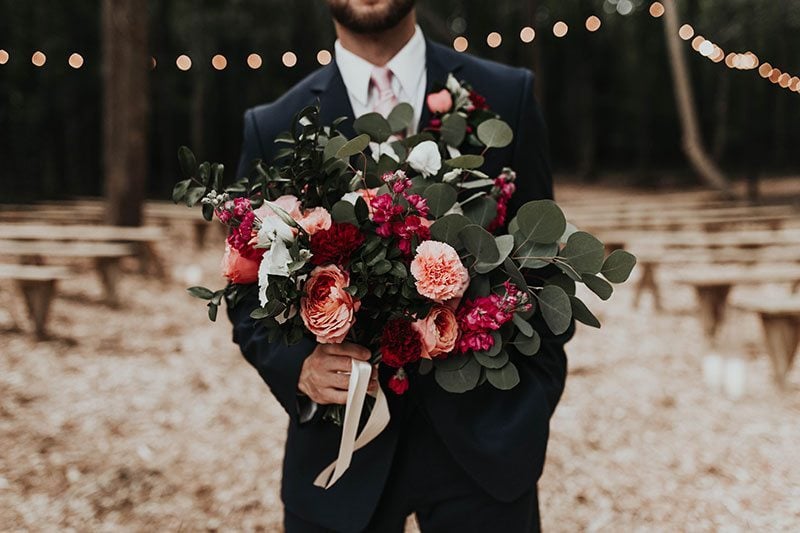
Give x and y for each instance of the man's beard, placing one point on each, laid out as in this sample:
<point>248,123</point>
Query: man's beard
<point>380,21</point>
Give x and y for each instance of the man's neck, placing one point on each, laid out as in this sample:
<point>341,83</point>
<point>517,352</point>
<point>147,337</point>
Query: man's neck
<point>378,48</point>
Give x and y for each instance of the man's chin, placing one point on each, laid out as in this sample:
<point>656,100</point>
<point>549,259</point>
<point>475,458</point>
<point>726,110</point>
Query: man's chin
<point>371,17</point>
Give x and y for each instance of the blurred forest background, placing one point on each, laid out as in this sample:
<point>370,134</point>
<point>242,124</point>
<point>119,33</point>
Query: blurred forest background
<point>607,95</point>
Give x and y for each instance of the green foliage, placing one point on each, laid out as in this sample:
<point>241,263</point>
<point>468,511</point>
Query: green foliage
<point>495,133</point>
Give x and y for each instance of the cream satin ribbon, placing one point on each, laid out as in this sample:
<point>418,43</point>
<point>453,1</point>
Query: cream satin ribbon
<point>377,422</point>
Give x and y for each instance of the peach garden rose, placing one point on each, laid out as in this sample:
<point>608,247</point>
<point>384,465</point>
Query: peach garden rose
<point>314,220</point>
<point>327,310</point>
<point>439,332</point>
<point>237,268</point>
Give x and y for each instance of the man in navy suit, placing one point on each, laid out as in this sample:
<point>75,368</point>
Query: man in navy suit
<point>460,462</point>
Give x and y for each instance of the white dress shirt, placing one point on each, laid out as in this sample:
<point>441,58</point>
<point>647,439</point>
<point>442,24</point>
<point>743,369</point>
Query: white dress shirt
<point>408,82</point>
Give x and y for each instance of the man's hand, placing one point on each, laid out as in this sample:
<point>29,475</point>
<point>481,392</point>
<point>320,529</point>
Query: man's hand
<point>326,372</point>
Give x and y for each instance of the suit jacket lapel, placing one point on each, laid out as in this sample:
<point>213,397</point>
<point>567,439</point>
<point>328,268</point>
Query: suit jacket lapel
<point>333,99</point>
<point>439,62</point>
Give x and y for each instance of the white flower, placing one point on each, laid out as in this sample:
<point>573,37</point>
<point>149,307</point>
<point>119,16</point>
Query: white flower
<point>425,158</point>
<point>351,197</point>
<point>274,229</point>
<point>452,84</point>
<point>453,152</point>
<point>275,263</point>
<point>453,175</point>
<point>383,148</point>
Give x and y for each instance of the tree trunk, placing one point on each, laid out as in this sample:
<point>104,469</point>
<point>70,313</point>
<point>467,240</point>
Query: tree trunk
<point>125,109</point>
<point>692,138</point>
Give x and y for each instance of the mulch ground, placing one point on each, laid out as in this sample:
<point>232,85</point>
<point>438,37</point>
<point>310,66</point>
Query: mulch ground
<point>146,418</point>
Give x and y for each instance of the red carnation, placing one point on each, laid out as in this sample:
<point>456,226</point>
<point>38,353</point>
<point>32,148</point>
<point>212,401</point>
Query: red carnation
<point>478,100</point>
<point>336,244</point>
<point>399,382</point>
<point>400,343</point>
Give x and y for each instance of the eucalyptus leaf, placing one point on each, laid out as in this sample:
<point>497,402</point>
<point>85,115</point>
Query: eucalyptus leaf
<point>344,211</point>
<point>453,129</point>
<point>505,243</point>
<point>618,266</point>
<point>447,228</point>
<point>584,252</point>
<point>498,361</point>
<point>480,243</point>
<point>462,380</point>
<point>528,345</point>
<point>494,133</point>
<point>374,125</point>
<point>465,161</point>
<point>598,285</point>
<point>556,308</point>
<point>582,313</point>
<point>333,147</point>
<point>523,325</point>
<point>541,221</point>
<point>505,378</point>
<point>353,146</point>
<point>533,254</point>
<point>179,191</point>
<point>452,363</point>
<point>481,211</point>
<point>401,117</point>
<point>440,198</point>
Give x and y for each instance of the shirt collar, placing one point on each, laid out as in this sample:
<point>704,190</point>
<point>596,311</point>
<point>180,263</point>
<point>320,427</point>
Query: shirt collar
<point>408,66</point>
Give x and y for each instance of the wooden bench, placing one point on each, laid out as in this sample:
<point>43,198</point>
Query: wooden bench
<point>37,284</point>
<point>648,263</point>
<point>144,238</point>
<point>712,290</point>
<point>93,212</point>
<point>780,320</point>
<point>105,256</point>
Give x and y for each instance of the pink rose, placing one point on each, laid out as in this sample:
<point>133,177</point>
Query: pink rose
<point>440,102</point>
<point>237,268</point>
<point>287,202</point>
<point>327,310</point>
<point>439,332</point>
<point>439,272</point>
<point>314,220</point>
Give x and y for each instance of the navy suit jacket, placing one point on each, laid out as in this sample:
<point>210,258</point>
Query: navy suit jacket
<point>498,437</point>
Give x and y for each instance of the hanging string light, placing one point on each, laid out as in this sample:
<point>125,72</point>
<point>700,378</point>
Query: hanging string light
<point>494,39</point>
<point>289,59</point>
<point>324,57</point>
<point>38,59</point>
<point>527,34</point>
<point>560,29</point>
<point>183,62</point>
<point>219,62</point>
<point>4,57</point>
<point>460,44</point>
<point>75,61</point>
<point>254,61</point>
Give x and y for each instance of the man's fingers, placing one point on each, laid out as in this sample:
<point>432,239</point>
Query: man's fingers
<point>338,381</point>
<point>350,350</point>
<point>338,363</point>
<point>333,396</point>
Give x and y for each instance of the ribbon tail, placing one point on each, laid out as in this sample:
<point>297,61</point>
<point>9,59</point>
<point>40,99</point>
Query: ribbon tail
<point>377,422</point>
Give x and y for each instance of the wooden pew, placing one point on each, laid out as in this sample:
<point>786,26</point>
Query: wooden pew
<point>780,319</point>
<point>712,289</point>
<point>145,237</point>
<point>105,256</point>
<point>649,262</point>
<point>37,284</point>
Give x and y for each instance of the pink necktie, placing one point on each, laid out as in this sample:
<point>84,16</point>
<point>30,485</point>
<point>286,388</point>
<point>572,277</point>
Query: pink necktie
<point>384,98</point>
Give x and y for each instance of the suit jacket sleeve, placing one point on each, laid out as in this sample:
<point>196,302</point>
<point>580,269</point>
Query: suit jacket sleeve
<point>277,364</point>
<point>531,161</point>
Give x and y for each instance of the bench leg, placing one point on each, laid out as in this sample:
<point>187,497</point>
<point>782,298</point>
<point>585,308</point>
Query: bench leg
<point>647,281</point>
<point>38,296</point>
<point>782,335</point>
<point>712,300</point>
<point>151,261</point>
<point>200,231</point>
<point>109,272</point>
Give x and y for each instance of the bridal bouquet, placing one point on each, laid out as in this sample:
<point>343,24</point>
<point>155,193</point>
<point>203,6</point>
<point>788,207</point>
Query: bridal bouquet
<point>402,244</point>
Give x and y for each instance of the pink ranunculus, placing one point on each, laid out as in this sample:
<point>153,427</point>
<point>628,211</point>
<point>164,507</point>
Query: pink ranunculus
<point>313,220</point>
<point>287,202</point>
<point>438,271</point>
<point>327,310</point>
<point>440,102</point>
<point>237,268</point>
<point>439,332</point>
